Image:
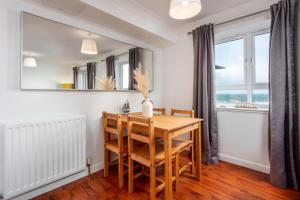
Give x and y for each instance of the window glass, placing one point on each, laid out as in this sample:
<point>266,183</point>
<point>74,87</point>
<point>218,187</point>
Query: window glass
<point>231,96</point>
<point>233,82</point>
<point>260,97</point>
<point>125,76</point>
<point>262,58</point>
<point>230,63</point>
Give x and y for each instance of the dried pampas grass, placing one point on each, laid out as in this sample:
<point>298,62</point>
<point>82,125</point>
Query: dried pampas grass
<point>107,83</point>
<point>142,81</point>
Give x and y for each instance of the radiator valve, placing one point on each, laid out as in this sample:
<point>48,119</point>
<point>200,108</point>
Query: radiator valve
<point>88,164</point>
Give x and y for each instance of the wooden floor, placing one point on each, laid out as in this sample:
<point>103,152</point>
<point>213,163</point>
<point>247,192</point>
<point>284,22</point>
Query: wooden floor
<point>222,181</point>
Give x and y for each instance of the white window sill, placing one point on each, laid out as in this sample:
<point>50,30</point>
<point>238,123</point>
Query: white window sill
<point>248,110</point>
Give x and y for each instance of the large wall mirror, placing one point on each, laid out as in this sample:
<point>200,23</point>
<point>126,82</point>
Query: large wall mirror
<point>56,56</point>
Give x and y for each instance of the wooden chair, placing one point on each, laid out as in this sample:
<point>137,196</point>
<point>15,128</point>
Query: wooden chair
<point>190,147</point>
<point>150,153</point>
<point>159,111</point>
<point>188,113</point>
<point>112,125</point>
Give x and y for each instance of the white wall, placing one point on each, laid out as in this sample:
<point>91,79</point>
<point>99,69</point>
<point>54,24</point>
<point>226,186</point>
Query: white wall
<point>14,102</point>
<point>242,135</point>
<point>46,76</point>
<point>1,161</point>
<point>243,138</point>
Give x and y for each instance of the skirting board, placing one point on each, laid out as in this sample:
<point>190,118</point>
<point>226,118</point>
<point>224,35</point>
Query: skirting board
<point>245,163</point>
<point>62,182</point>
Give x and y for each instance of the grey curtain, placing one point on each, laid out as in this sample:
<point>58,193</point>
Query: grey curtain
<point>134,59</point>
<point>204,91</point>
<point>284,119</point>
<point>75,77</point>
<point>110,67</point>
<point>91,74</point>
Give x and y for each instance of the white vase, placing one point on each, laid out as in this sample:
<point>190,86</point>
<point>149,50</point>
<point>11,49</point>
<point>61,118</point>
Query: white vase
<point>147,108</point>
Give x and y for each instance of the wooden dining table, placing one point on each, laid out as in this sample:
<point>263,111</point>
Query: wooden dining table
<point>168,127</point>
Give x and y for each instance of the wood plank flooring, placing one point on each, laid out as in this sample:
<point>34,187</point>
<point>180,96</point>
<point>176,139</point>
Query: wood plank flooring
<point>219,182</point>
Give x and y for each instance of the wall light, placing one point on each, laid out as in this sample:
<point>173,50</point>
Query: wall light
<point>29,62</point>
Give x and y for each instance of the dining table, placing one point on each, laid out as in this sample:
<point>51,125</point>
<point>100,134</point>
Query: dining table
<point>168,127</point>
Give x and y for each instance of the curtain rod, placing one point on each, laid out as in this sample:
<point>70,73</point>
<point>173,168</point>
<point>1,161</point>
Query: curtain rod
<point>80,66</point>
<point>84,65</point>
<point>236,19</point>
<point>116,56</point>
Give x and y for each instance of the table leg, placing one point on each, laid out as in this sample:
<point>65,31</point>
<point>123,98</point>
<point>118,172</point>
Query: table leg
<point>198,152</point>
<point>168,165</point>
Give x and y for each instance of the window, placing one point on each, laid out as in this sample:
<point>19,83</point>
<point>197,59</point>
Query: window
<point>230,61</point>
<point>262,57</point>
<point>231,96</point>
<point>124,75</point>
<point>82,79</point>
<point>242,69</point>
<point>260,97</point>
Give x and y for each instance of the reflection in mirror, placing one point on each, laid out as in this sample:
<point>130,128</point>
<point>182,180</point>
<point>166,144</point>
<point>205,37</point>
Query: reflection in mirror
<point>61,57</point>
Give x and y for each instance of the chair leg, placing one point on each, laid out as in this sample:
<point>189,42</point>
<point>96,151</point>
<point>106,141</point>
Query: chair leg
<point>106,162</point>
<point>193,154</point>
<point>152,183</point>
<point>177,156</point>
<point>191,138</point>
<point>121,170</point>
<point>130,175</point>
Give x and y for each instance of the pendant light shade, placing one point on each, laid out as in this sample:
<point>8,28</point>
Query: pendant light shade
<point>184,9</point>
<point>89,46</point>
<point>29,62</point>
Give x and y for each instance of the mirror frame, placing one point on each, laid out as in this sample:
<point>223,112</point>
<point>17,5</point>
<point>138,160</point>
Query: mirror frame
<point>70,90</point>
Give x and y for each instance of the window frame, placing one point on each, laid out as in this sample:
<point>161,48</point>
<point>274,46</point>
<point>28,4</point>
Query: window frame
<point>249,67</point>
<point>237,86</point>
<point>253,61</point>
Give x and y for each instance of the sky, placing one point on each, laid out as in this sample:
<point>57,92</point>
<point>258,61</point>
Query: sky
<point>231,56</point>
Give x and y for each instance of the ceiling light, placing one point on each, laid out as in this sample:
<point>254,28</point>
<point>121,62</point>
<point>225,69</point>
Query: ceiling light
<point>185,3</point>
<point>30,62</point>
<point>89,47</point>
<point>184,9</point>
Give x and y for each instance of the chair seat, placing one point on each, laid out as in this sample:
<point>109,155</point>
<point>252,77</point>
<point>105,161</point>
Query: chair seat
<point>181,141</point>
<point>142,152</point>
<point>112,145</point>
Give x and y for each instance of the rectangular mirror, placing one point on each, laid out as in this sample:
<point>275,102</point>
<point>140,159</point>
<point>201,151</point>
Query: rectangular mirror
<point>56,56</point>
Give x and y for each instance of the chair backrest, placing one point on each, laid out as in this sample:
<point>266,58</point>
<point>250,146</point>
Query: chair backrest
<point>188,113</point>
<point>142,130</point>
<point>112,124</point>
<point>159,111</point>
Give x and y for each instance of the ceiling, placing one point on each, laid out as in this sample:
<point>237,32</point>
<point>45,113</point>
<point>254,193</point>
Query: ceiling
<point>142,20</point>
<point>156,8</point>
<point>63,42</point>
<point>160,8</point>
<point>106,21</point>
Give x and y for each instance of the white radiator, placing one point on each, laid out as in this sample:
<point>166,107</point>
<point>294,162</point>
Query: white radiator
<point>36,153</point>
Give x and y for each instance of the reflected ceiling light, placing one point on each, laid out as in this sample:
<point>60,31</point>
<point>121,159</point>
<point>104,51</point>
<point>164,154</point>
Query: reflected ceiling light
<point>89,47</point>
<point>184,9</point>
<point>29,62</point>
